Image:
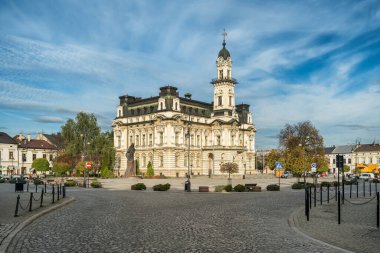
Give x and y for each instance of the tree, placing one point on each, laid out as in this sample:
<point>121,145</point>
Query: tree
<point>301,145</point>
<point>271,159</point>
<point>229,168</point>
<point>80,167</point>
<point>40,164</point>
<point>346,168</point>
<point>149,170</point>
<point>84,141</point>
<point>138,172</point>
<point>61,168</point>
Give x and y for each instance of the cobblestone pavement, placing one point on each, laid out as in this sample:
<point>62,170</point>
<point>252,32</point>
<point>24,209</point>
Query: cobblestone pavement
<point>357,231</point>
<point>130,221</point>
<point>8,197</point>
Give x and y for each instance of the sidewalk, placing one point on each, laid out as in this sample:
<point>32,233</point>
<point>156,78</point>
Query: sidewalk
<point>357,231</point>
<point>8,198</point>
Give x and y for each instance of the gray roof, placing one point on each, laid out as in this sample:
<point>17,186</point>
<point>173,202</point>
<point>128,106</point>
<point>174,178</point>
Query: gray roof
<point>344,149</point>
<point>329,150</point>
<point>5,138</point>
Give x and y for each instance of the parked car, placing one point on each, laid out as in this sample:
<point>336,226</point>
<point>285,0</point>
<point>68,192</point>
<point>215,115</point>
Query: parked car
<point>286,174</point>
<point>367,176</point>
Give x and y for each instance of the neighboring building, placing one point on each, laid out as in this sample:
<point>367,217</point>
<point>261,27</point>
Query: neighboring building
<point>354,155</point>
<point>8,155</point>
<point>30,149</point>
<point>178,133</point>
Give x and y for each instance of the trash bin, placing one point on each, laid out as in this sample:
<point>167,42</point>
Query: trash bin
<point>187,186</point>
<point>19,187</point>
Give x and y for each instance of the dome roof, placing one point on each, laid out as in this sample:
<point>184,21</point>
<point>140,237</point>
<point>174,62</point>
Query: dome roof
<point>224,52</point>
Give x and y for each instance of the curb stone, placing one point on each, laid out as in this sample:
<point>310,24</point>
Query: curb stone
<point>293,223</point>
<point>6,242</point>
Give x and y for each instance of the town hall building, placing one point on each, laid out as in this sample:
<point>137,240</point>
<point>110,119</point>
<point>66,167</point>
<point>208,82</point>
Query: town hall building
<point>180,135</point>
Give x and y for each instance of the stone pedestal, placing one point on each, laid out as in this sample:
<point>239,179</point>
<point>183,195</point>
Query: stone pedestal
<point>131,169</point>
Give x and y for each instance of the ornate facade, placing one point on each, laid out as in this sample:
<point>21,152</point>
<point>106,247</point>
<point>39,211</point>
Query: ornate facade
<point>179,135</point>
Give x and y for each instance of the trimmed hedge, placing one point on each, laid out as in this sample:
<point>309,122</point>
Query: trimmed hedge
<point>325,184</point>
<point>239,188</point>
<point>228,188</point>
<point>2,180</point>
<point>219,188</point>
<point>70,183</point>
<point>297,186</point>
<point>96,184</point>
<point>273,187</point>
<point>161,187</point>
<point>38,181</point>
<point>138,187</point>
<point>375,181</point>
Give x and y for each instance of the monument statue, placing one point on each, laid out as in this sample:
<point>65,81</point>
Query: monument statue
<point>131,166</point>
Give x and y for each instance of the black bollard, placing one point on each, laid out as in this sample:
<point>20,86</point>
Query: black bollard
<point>310,198</point>
<point>45,187</point>
<point>307,207</point>
<point>377,210</point>
<point>343,189</point>
<point>57,192</point>
<point>315,196</point>
<point>27,186</point>
<point>321,196</point>
<point>338,207</point>
<point>328,193</point>
<point>53,192</point>
<point>30,201</point>
<point>306,201</point>
<point>350,190</point>
<point>63,191</point>
<point>42,197</point>
<point>357,189</point>
<point>17,204</point>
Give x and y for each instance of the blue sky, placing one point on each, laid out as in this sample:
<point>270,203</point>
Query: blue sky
<point>294,60</point>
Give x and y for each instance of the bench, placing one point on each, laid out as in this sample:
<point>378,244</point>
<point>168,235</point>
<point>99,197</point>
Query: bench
<point>203,189</point>
<point>250,187</point>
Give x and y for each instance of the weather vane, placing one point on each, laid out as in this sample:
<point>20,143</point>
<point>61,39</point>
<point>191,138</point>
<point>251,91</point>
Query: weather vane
<point>224,34</point>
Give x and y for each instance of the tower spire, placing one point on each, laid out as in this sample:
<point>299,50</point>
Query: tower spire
<point>224,37</point>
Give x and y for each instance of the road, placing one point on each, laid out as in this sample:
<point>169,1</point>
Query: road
<point>102,220</point>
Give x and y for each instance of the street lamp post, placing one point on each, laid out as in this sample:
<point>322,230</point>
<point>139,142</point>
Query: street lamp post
<point>188,183</point>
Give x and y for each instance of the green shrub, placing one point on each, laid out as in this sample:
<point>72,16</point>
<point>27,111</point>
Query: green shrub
<point>334,183</point>
<point>273,187</point>
<point>138,187</point>
<point>297,186</point>
<point>325,184</point>
<point>228,188</point>
<point>161,187</point>
<point>2,180</point>
<point>96,184</point>
<point>346,182</point>
<point>219,188</point>
<point>70,183</point>
<point>38,181</point>
<point>375,181</point>
<point>239,188</point>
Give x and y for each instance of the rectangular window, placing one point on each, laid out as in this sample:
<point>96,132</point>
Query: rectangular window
<point>24,157</point>
<point>228,73</point>
<point>206,139</point>
<point>333,161</point>
<point>150,139</point>
<point>161,138</point>
<point>220,74</point>
<point>218,140</point>
<point>137,140</point>
<point>130,140</point>
<point>230,100</point>
<point>233,140</point>
<point>219,100</point>
<point>349,161</point>
<point>50,158</point>
<point>176,138</point>
<point>198,140</point>
<point>34,156</point>
<point>143,140</point>
<point>44,156</point>
<point>11,155</point>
